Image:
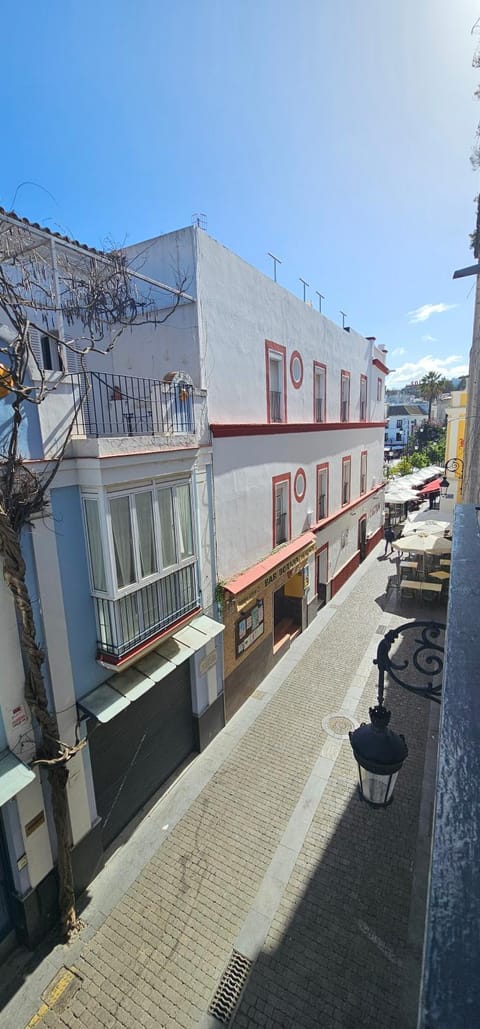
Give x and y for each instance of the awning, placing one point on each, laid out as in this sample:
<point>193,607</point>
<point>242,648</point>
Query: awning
<point>431,487</point>
<point>241,582</point>
<point>123,688</point>
<point>14,776</point>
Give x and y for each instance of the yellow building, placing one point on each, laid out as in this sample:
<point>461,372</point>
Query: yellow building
<point>454,449</point>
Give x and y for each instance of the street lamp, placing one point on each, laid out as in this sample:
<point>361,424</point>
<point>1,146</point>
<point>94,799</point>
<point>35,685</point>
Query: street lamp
<point>378,751</point>
<point>455,464</point>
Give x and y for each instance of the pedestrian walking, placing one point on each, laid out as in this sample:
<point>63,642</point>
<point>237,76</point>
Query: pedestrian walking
<point>389,538</point>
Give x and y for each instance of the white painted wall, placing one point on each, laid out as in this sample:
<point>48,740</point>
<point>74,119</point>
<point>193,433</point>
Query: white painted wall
<point>244,468</point>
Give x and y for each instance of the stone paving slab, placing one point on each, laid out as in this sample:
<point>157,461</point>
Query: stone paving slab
<point>271,850</point>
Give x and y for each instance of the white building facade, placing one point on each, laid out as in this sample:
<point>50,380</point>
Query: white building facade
<point>296,411</point>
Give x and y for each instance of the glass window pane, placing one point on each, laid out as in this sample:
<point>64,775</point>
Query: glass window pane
<point>167,530</point>
<point>146,538</point>
<point>185,529</point>
<point>122,541</point>
<point>97,563</point>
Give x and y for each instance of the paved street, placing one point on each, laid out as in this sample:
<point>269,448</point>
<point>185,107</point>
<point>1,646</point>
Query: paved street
<point>262,846</point>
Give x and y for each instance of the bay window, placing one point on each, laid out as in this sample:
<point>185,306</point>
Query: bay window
<point>142,560</point>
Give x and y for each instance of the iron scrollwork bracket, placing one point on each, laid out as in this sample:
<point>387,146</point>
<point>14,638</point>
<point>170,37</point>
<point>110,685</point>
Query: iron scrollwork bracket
<point>427,659</point>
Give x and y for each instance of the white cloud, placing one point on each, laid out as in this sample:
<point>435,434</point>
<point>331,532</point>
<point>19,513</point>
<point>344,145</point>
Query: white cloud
<point>429,339</point>
<point>422,313</point>
<point>451,367</point>
<point>398,352</point>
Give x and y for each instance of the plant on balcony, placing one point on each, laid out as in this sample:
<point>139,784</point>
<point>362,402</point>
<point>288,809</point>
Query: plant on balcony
<point>50,286</point>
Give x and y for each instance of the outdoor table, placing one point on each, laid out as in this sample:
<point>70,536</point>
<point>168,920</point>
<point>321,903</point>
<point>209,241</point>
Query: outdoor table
<point>433,587</point>
<point>410,584</point>
<point>409,564</point>
<point>440,575</point>
<point>445,561</point>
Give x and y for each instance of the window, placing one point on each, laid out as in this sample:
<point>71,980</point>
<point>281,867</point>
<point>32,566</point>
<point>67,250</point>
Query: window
<point>151,533</point>
<point>322,491</point>
<point>398,437</point>
<point>363,398</point>
<point>281,509</point>
<point>363,471</point>
<point>50,355</point>
<point>319,392</point>
<point>276,382</point>
<point>399,423</point>
<point>345,397</point>
<point>346,466</point>
<point>379,389</point>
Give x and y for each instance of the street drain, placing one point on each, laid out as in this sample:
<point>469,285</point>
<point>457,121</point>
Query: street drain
<point>381,630</point>
<point>227,994</point>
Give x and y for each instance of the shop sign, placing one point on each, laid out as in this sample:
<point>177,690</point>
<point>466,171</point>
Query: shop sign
<point>293,565</point>
<point>18,716</point>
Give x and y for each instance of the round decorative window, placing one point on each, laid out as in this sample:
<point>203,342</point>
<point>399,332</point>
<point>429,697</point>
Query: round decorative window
<point>296,369</point>
<point>299,485</point>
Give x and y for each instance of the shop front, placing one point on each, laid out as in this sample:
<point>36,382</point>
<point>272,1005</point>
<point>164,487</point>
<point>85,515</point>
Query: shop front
<point>265,608</point>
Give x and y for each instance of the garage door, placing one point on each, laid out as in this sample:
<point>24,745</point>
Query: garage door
<point>135,752</point>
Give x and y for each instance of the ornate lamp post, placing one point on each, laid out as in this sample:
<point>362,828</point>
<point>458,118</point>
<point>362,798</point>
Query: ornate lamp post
<point>378,751</point>
<point>455,464</point>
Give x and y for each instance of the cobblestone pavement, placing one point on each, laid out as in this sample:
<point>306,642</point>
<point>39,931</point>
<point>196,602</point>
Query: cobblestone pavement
<point>277,857</point>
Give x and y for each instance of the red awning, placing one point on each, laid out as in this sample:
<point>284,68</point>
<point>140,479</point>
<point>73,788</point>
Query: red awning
<point>431,487</point>
<point>246,579</point>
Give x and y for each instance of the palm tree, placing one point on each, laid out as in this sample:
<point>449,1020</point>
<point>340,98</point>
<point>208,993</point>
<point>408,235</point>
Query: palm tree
<point>431,387</point>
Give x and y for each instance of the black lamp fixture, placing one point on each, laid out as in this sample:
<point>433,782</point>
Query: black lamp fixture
<point>455,464</point>
<point>378,751</point>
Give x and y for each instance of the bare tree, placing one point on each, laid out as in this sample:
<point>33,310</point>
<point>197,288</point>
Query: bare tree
<point>50,284</point>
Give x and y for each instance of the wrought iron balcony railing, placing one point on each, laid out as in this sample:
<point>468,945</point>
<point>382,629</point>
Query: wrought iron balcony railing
<point>124,624</point>
<point>276,408</point>
<point>124,405</point>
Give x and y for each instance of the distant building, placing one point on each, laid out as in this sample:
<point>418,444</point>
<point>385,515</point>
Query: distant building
<point>402,421</point>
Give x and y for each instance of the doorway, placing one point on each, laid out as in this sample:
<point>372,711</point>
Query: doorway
<point>321,567</point>
<point>287,611</point>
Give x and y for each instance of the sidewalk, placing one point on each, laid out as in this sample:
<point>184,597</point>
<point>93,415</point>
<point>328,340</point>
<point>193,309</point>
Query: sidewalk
<point>263,847</point>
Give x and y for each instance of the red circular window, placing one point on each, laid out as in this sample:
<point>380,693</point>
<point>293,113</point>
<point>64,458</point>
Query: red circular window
<point>296,369</point>
<point>299,484</point>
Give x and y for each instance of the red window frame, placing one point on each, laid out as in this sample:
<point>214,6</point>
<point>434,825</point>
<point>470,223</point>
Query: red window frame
<point>276,348</point>
<point>344,376</point>
<point>363,457</point>
<point>322,468</point>
<point>319,366</point>
<point>278,480</point>
<point>346,461</point>
<point>363,379</point>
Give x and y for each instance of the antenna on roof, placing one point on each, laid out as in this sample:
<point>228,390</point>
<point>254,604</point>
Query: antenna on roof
<point>276,260</point>
<point>320,298</point>
<point>343,318</point>
<point>305,284</point>
<point>200,220</point>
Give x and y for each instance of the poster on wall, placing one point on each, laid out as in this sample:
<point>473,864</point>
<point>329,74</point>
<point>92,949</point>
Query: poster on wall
<point>249,628</point>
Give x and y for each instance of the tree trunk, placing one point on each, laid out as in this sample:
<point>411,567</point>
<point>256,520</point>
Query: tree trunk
<point>37,700</point>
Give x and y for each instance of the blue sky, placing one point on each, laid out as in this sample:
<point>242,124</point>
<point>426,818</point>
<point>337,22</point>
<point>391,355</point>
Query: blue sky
<point>335,134</point>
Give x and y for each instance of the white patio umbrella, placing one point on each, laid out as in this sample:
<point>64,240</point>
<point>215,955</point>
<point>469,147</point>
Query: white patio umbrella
<point>431,526</point>
<point>423,543</point>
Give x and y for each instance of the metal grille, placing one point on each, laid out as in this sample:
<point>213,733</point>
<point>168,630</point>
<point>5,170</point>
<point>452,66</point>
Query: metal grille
<point>381,630</point>
<point>228,992</point>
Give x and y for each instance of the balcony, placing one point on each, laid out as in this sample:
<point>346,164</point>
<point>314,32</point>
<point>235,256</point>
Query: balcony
<point>123,625</point>
<point>319,409</point>
<point>276,406</point>
<point>280,528</point>
<point>124,405</point>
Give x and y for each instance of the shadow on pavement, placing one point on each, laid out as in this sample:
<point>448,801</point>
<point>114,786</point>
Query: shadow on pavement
<point>338,954</point>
